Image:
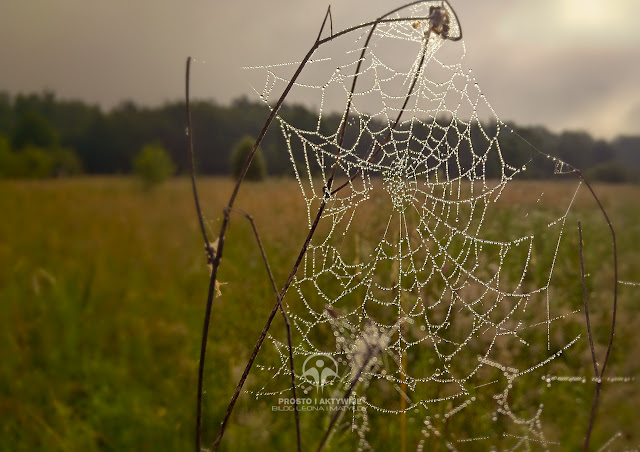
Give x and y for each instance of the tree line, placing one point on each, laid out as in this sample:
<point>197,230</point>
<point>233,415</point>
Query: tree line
<point>42,136</point>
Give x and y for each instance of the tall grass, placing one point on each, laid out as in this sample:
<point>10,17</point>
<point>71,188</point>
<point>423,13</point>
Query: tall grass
<point>101,303</point>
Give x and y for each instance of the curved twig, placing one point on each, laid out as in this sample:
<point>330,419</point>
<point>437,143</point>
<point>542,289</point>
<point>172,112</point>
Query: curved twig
<point>352,90</point>
<point>215,256</point>
<point>599,375</point>
<point>387,138</point>
<point>286,323</point>
<point>585,301</point>
<point>209,251</point>
<point>192,163</point>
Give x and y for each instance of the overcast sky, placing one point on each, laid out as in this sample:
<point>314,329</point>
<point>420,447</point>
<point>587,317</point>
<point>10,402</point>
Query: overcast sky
<point>564,64</point>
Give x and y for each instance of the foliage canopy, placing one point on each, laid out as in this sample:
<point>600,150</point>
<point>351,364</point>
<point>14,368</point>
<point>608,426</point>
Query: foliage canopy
<point>153,165</point>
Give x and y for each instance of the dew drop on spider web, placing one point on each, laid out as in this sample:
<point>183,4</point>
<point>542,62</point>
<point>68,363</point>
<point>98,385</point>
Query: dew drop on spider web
<point>419,280</point>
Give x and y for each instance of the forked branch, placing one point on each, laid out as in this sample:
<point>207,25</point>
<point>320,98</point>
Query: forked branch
<point>214,255</point>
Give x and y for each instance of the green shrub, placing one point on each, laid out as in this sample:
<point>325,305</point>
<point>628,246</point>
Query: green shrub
<point>258,168</point>
<point>37,162</point>
<point>153,165</point>
<point>65,162</point>
<point>33,162</point>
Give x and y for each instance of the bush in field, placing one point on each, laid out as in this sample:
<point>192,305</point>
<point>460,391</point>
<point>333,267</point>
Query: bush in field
<point>153,165</point>
<point>258,168</point>
<point>65,162</point>
<point>33,162</point>
<point>30,162</point>
<point>37,162</point>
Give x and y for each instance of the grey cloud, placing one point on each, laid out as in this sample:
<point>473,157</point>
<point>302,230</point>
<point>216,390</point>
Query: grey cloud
<point>108,52</point>
<point>632,119</point>
<point>541,87</point>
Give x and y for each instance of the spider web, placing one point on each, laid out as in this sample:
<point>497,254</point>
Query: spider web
<point>435,304</point>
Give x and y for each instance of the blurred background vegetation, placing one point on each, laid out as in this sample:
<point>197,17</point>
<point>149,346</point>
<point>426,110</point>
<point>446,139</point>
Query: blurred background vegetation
<point>41,136</point>
<point>102,286</point>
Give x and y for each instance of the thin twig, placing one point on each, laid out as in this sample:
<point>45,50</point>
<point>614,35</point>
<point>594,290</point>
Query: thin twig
<point>615,272</point>
<point>192,164</point>
<point>395,124</point>
<point>326,16</point>
<point>592,415</point>
<point>585,301</point>
<point>210,259</point>
<point>286,322</point>
<point>217,256</point>
<point>361,59</point>
<point>225,222</point>
<point>265,329</point>
<point>352,90</point>
<point>596,396</point>
<point>391,20</point>
<point>600,375</point>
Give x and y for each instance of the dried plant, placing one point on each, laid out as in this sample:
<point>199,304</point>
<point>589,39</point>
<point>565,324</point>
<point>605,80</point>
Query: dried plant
<point>372,339</point>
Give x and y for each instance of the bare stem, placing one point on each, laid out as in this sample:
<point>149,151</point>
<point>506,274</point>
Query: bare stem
<point>599,375</point>
<point>243,172</point>
<point>387,138</point>
<point>210,259</point>
<point>585,302</point>
<point>192,158</point>
<point>324,22</point>
<point>353,89</point>
<point>265,329</point>
<point>215,256</point>
<point>615,272</point>
<point>287,325</point>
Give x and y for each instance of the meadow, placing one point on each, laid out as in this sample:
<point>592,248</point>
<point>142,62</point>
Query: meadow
<point>102,291</point>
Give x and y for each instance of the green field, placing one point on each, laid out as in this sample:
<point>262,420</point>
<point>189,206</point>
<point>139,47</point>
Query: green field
<point>102,292</point>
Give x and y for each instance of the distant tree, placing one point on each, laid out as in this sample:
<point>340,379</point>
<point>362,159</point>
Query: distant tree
<point>33,129</point>
<point>575,148</point>
<point>627,151</point>
<point>5,113</point>
<point>153,165</point>
<point>611,172</point>
<point>99,150</point>
<point>602,152</point>
<point>108,142</point>
<point>258,168</point>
